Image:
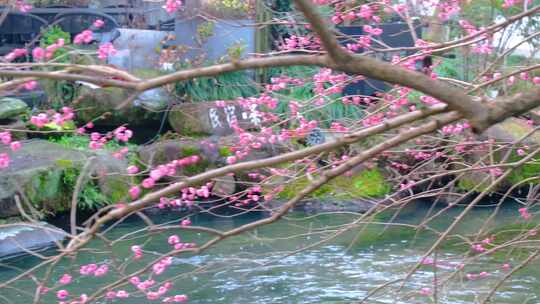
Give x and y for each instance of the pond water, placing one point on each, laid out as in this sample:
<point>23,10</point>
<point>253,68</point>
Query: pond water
<point>259,267</point>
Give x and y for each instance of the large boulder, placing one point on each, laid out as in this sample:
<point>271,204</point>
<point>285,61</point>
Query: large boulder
<point>95,102</point>
<point>213,150</point>
<point>45,173</point>
<point>12,107</point>
<point>206,118</point>
<point>508,131</point>
<point>19,239</point>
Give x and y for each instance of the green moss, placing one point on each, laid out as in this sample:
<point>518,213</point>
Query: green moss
<point>225,152</point>
<point>468,184</point>
<point>368,183</point>
<point>83,142</point>
<point>45,190</point>
<point>185,125</point>
<point>528,170</point>
<point>190,150</point>
<point>371,183</point>
<point>118,189</point>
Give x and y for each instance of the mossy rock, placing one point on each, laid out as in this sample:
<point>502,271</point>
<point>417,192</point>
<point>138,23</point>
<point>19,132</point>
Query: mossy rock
<point>205,118</point>
<point>12,107</point>
<point>46,174</point>
<point>507,131</point>
<point>368,183</point>
<point>166,151</point>
<point>94,103</point>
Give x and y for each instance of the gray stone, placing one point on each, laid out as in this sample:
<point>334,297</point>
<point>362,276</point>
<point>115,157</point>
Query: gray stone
<point>95,102</point>
<point>37,170</point>
<point>508,131</point>
<point>206,118</point>
<point>511,130</point>
<point>20,239</point>
<point>137,49</point>
<point>153,100</point>
<point>11,107</point>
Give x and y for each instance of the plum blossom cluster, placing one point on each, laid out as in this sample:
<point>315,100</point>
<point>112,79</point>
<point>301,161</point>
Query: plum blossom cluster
<point>6,139</point>
<point>523,76</point>
<point>59,118</point>
<point>448,9</point>
<point>14,54</point>
<point>84,37</point>
<point>94,270</point>
<point>188,197</point>
<point>524,213</point>
<point>281,83</point>
<point>294,43</point>
<point>355,100</point>
<point>253,195</point>
<point>366,12</point>
<point>174,240</point>
<point>455,129</point>
<point>171,6</point>
<point>105,50</point>
<point>98,141</point>
<point>510,3</point>
<point>475,276</point>
<point>23,6</point>
<point>326,76</point>
<point>482,47</point>
<point>158,173</point>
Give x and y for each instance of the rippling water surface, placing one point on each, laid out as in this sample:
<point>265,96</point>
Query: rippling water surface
<point>301,260</point>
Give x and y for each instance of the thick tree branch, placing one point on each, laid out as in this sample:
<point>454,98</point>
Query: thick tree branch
<point>328,39</point>
<point>154,197</point>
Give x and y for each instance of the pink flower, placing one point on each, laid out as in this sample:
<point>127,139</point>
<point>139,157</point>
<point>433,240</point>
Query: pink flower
<point>4,160</point>
<point>148,183</point>
<point>134,192</point>
<point>173,239</point>
<point>536,80</point>
<point>478,248</point>
<point>85,37</point>
<point>425,291</point>
<point>99,23</point>
<point>506,266</point>
<point>231,160</point>
<point>31,85</point>
<point>101,271</point>
<point>185,222</point>
<point>524,213</point>
<point>65,279</point>
<point>106,50</point>
<point>137,251</point>
<point>122,294</point>
<point>62,294</point>
<point>180,298</point>
<point>172,6</point>
<point>5,138</point>
<point>110,295</point>
<point>38,53</point>
<point>132,169</point>
<point>152,295</point>
<point>88,269</point>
